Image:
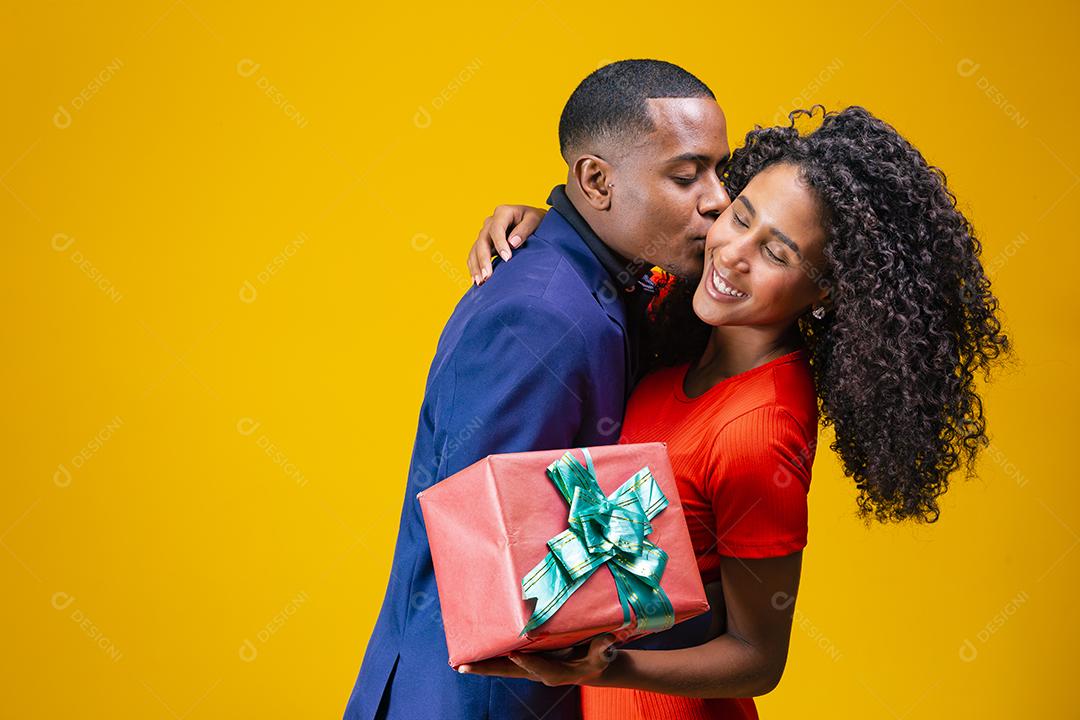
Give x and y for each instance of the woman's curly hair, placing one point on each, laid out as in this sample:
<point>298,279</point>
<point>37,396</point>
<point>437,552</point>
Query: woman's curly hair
<point>912,318</point>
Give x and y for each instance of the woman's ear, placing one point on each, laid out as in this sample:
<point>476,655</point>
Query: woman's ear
<point>825,298</point>
<point>593,177</point>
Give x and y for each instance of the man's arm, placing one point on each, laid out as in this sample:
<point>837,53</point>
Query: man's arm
<point>519,378</point>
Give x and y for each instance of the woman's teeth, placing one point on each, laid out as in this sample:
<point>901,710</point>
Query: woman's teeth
<point>726,289</point>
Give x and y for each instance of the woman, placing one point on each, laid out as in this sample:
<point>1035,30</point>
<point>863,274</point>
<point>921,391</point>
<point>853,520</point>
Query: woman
<point>842,282</point>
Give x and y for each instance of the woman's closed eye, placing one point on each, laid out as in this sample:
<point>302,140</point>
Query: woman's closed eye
<point>773,256</point>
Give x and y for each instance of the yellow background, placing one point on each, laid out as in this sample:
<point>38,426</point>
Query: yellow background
<point>229,263</point>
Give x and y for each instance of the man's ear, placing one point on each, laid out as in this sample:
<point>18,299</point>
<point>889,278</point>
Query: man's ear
<point>593,177</point>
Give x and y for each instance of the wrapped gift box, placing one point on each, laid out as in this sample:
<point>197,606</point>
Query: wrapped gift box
<point>489,526</point>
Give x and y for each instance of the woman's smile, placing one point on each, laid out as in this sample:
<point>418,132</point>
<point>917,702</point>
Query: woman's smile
<point>720,289</point>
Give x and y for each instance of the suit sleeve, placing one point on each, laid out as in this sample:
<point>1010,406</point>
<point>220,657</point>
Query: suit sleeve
<point>519,379</point>
<point>759,479</point>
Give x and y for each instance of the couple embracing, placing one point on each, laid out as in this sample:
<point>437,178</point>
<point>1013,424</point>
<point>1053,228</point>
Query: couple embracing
<point>726,303</point>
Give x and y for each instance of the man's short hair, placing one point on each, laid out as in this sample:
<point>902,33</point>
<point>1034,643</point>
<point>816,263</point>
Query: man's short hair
<point>609,105</point>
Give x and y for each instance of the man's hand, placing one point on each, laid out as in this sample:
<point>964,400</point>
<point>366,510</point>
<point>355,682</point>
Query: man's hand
<point>547,668</point>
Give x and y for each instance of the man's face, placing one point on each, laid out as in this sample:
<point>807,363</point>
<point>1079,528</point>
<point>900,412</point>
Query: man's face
<point>667,189</point>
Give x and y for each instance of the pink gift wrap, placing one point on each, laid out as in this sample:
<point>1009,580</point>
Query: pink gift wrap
<point>488,525</point>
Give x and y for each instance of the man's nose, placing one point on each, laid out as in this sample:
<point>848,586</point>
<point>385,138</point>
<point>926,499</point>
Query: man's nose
<point>715,201</point>
<point>725,199</point>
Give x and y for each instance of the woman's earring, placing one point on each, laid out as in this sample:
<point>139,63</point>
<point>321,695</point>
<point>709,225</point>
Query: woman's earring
<point>818,312</point>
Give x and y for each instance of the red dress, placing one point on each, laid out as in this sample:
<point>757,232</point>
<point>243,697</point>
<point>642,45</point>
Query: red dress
<point>741,453</point>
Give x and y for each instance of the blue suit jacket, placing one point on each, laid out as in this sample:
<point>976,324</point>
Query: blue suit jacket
<point>535,359</point>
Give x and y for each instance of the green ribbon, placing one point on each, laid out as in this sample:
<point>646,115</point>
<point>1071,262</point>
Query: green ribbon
<point>603,530</point>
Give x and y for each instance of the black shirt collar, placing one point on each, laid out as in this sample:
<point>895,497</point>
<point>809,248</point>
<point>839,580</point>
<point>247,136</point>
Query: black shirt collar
<point>627,275</point>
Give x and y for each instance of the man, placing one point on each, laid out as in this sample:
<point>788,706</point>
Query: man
<point>541,356</point>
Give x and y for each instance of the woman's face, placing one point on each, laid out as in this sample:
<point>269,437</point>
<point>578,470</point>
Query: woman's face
<point>764,255</point>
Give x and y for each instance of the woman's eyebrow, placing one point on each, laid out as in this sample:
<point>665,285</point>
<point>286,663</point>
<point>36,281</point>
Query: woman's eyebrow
<point>779,235</point>
<point>787,241</point>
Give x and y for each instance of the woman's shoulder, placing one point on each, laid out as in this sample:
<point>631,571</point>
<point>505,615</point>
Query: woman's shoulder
<point>782,389</point>
<point>770,440</point>
<point>793,389</point>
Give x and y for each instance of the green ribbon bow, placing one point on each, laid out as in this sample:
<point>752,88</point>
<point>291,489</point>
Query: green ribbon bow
<point>607,530</point>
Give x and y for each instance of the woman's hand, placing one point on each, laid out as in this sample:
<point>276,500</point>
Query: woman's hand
<point>521,219</point>
<point>746,659</point>
<point>545,668</point>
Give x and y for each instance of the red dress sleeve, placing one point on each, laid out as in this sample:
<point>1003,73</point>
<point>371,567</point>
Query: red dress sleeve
<point>758,481</point>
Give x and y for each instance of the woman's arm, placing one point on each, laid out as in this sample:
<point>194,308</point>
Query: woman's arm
<point>747,659</point>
